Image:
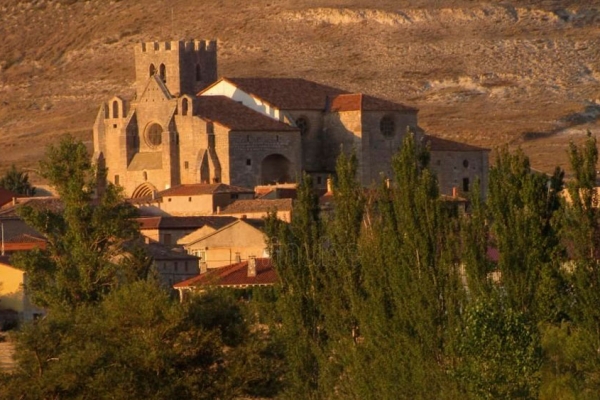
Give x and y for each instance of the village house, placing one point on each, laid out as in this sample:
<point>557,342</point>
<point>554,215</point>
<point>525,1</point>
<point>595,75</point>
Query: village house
<point>253,272</point>
<point>13,295</point>
<point>236,242</point>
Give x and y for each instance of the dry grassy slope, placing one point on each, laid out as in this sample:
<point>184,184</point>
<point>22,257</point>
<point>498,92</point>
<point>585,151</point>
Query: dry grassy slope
<point>488,73</point>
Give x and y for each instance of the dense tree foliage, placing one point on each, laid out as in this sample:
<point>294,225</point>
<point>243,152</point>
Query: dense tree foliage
<point>17,182</point>
<point>390,294</point>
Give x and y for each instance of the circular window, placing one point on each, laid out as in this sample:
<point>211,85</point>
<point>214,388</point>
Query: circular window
<point>153,135</point>
<point>302,124</point>
<point>387,126</point>
<point>466,163</point>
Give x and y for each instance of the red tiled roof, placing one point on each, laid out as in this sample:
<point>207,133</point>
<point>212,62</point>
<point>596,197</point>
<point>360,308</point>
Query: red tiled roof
<point>25,238</point>
<point>184,222</point>
<point>6,196</point>
<point>236,116</point>
<point>439,144</point>
<point>358,101</point>
<point>195,189</point>
<point>234,275</point>
<point>258,205</point>
<point>53,204</point>
<point>288,93</point>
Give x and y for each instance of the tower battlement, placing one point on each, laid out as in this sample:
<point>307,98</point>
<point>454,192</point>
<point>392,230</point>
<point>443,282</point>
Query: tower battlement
<point>177,45</point>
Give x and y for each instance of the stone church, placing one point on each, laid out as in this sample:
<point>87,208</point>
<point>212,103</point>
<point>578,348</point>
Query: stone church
<point>185,125</point>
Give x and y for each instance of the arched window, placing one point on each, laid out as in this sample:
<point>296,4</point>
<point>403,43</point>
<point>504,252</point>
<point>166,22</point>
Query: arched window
<point>152,70</point>
<point>163,73</point>
<point>387,126</point>
<point>184,107</point>
<point>302,124</point>
<point>115,109</point>
<point>145,176</point>
<point>198,73</point>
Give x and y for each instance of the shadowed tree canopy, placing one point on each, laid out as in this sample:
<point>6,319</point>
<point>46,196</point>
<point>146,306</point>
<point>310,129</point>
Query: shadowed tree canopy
<point>17,181</point>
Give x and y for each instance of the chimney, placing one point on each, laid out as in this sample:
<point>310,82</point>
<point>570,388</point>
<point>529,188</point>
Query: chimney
<point>454,191</point>
<point>14,201</point>
<point>251,266</point>
<point>218,210</point>
<point>329,185</point>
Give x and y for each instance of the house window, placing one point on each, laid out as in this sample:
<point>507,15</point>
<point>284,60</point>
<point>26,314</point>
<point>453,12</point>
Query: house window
<point>145,176</point>
<point>186,165</point>
<point>302,124</point>
<point>190,199</point>
<point>248,161</point>
<point>167,238</point>
<point>116,179</point>
<point>152,70</point>
<point>465,184</point>
<point>115,109</point>
<point>387,126</point>
<point>185,266</point>
<point>234,196</point>
<point>466,163</point>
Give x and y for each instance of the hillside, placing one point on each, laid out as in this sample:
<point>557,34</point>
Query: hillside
<point>520,72</point>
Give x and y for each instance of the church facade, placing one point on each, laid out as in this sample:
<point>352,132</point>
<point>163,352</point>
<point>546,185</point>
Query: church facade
<point>186,126</point>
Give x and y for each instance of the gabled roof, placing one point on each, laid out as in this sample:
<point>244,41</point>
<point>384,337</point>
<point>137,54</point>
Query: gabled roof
<point>358,101</point>
<point>235,275</point>
<point>196,189</point>
<point>287,93</point>
<point>235,116</point>
<point>161,252</point>
<point>258,205</point>
<point>258,224</point>
<point>184,222</point>
<point>439,144</point>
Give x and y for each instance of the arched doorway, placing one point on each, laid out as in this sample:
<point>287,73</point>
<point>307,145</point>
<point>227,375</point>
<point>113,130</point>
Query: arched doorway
<point>144,190</point>
<point>275,169</point>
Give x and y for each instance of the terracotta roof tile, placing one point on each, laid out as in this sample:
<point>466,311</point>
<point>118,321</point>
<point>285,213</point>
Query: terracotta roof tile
<point>358,101</point>
<point>288,93</point>
<point>6,196</point>
<point>236,116</point>
<point>196,189</point>
<point>26,238</point>
<point>258,205</point>
<point>234,275</point>
<point>439,144</point>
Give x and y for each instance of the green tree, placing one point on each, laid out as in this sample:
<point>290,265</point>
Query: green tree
<point>296,255</point>
<point>17,181</point>
<point>85,238</point>
<point>138,343</point>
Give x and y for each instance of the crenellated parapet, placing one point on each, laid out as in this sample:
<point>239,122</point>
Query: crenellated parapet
<point>177,45</point>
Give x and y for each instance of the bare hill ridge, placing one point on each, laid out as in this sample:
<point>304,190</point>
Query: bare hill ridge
<point>520,72</point>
